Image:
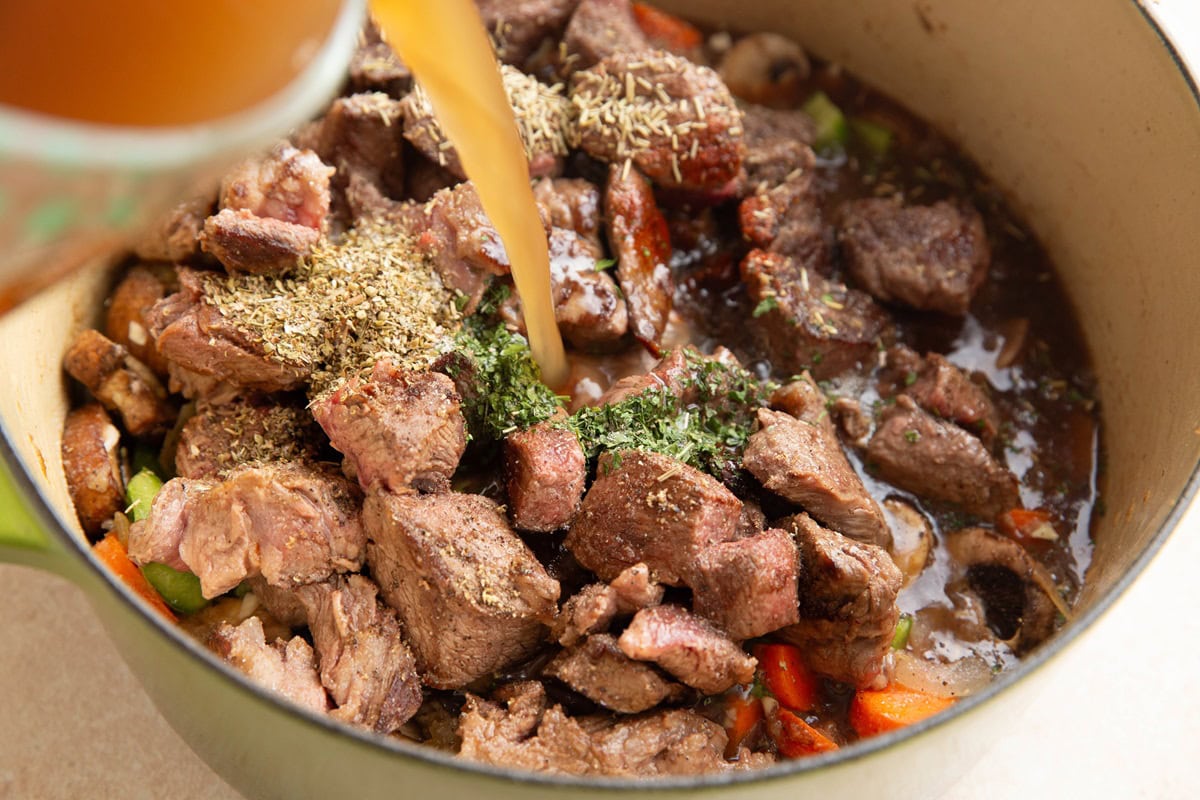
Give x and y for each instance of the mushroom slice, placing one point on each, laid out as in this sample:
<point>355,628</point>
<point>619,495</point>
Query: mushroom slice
<point>912,537</point>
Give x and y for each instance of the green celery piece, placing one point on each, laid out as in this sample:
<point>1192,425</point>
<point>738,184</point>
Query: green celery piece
<point>903,629</point>
<point>876,138</point>
<point>832,130</point>
<point>140,492</point>
<point>180,590</point>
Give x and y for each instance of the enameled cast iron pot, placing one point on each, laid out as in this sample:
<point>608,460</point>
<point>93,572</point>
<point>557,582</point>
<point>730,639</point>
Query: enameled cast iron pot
<point>1078,109</point>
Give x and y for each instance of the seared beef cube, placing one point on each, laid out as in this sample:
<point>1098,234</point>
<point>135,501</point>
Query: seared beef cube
<point>546,471</point>
<point>932,258</point>
<point>206,389</point>
<point>90,447</point>
<point>244,242</point>
<point>810,323</point>
<point>797,456</point>
<point>638,236</point>
<point>398,430</point>
<point>174,236</point>
<point>848,610</point>
<point>674,120</point>
<point>688,647</point>
<point>1013,586</point>
<point>671,374</point>
<point>220,438</point>
<point>126,321</point>
<point>472,597</point>
<point>375,66</point>
<point>636,589</point>
<point>570,203</point>
<point>674,742</point>
<point>650,508</point>
<point>787,220</point>
<point>360,137</point>
<point>598,670</point>
<point>600,28</point>
<point>777,146</point>
<point>748,587</point>
<point>940,461</point>
<point>752,521</point>
<point>519,26</point>
<point>365,664</point>
<point>290,523</point>
<point>588,611</point>
<point>942,389</point>
<point>120,382</point>
<point>196,335</point>
<point>288,185</point>
<point>850,418</point>
<point>284,668</point>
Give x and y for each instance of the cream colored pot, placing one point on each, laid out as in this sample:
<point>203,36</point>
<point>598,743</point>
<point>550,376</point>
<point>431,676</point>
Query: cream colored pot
<point>1078,109</point>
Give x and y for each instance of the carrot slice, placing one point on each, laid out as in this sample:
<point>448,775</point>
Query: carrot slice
<point>113,555</point>
<point>743,711</point>
<point>879,711</point>
<point>787,677</point>
<point>666,30</point>
<point>1027,525</point>
<point>794,737</point>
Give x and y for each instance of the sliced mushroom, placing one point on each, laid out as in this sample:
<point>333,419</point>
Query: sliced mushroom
<point>90,462</point>
<point>767,69</point>
<point>1018,595</point>
<point>912,537</point>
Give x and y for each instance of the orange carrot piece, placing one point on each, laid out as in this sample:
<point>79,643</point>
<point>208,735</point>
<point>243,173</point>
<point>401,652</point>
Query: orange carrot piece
<point>113,555</point>
<point>1022,524</point>
<point>666,30</point>
<point>794,737</point>
<point>873,712</point>
<point>787,677</point>
<point>742,713</point>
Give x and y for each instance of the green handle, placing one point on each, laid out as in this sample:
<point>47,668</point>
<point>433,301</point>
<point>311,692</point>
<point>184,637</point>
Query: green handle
<point>23,536</point>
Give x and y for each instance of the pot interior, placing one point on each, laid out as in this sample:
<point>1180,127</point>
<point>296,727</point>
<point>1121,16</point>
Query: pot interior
<point>1081,115</point>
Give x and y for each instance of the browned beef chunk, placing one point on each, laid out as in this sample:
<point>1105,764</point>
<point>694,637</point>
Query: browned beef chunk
<point>424,178</point>
<point>291,523</point>
<point>202,388</point>
<point>285,668</point>
<point>588,611</point>
<point>669,374</point>
<point>471,595</point>
<point>120,382</point>
<point>797,456</point>
<point>194,334</point>
<point>244,242</point>
<point>600,28</point>
<point>918,452</point>
<point>525,734</point>
<point>679,125</point>
<point>174,236</point>
<point>646,507</point>
<point>1013,586</point>
<point>688,647</point>
<point>942,389</point>
<point>933,258</point>
<point>598,670</point>
<point>365,664</point>
<point>787,219</point>
<point>777,146</point>
<point>519,26</point>
<point>747,587</point>
<point>810,322</point>
<point>588,306</point>
<point>126,321</point>
<point>851,419</point>
<point>288,185</point>
<point>220,438</point>
<point>90,447</point>
<point>545,473</point>
<point>375,66</point>
<point>752,521</point>
<point>636,589</point>
<point>637,234</point>
<point>360,137</point>
<point>398,430</point>
<point>570,203</point>
<point>848,610</point>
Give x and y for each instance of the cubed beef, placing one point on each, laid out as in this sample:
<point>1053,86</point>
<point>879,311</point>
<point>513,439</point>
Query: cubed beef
<point>120,382</point>
<point>288,185</point>
<point>598,670</point>
<point>126,321</point>
<point>777,146</point>
<point>797,456</point>
<point>600,28</point>
<point>195,334</point>
<point>688,647</point>
<point>519,26</point>
<point>245,242</point>
<point>848,610</point>
<point>851,419</point>
<point>938,460</point>
<point>366,666</point>
<point>375,66</point>
<point>637,234</point>
<point>647,507</point>
<point>360,136</point>
<point>472,597</point>
<point>809,322</point>
<point>636,589</point>
<point>588,611</point>
<point>220,438</point>
<point>399,429</point>
<point>942,389</point>
<point>932,258</point>
<point>92,467</point>
<point>284,668</point>
<point>672,374</point>
<point>787,219</point>
<point>673,119</point>
<point>570,203</point>
<point>747,587</point>
<point>175,235</point>
<point>545,473</point>
<point>291,523</point>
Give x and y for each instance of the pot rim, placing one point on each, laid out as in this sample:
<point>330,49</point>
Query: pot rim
<point>51,523</point>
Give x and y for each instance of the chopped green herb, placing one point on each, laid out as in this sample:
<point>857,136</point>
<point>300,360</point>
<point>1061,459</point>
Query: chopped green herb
<point>605,263</point>
<point>768,303</point>
<point>912,436</point>
<point>910,379</point>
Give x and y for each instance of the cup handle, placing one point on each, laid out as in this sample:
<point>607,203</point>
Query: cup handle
<point>23,536</point>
